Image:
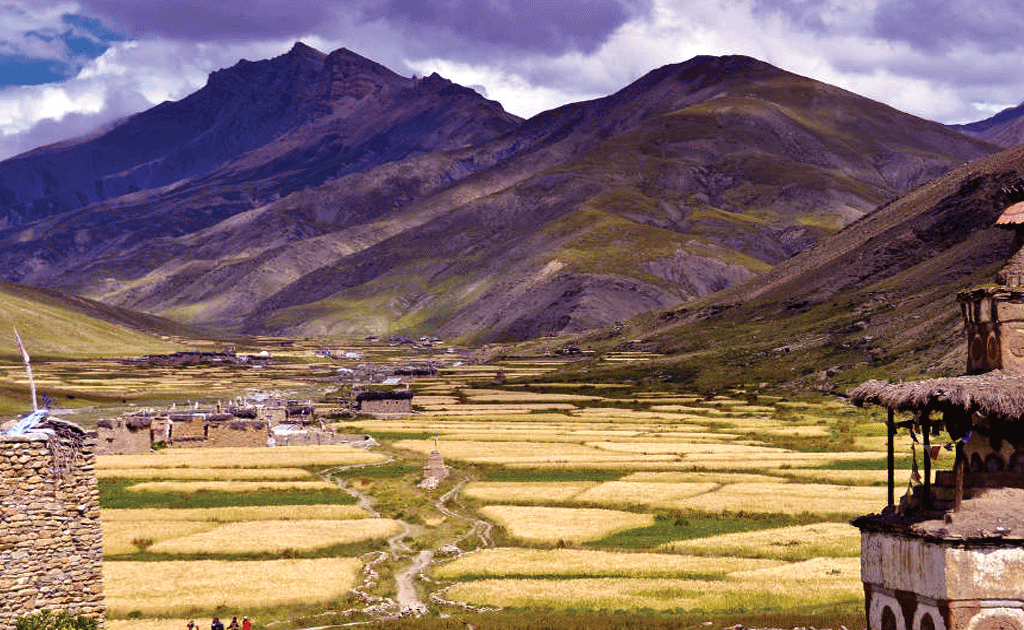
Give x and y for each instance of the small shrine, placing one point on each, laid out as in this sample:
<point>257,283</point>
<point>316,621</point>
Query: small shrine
<point>949,555</point>
<point>436,470</point>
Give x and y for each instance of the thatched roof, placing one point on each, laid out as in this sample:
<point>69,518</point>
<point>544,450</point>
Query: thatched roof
<point>1012,216</point>
<point>993,394</point>
<point>401,394</point>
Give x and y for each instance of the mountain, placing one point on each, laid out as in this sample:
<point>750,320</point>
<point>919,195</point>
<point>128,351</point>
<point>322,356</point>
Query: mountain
<point>55,324</point>
<point>417,206</point>
<point>298,120</point>
<point>876,300</point>
<point>1005,129</point>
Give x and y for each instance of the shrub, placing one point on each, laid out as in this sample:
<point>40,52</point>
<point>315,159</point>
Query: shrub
<point>48,620</point>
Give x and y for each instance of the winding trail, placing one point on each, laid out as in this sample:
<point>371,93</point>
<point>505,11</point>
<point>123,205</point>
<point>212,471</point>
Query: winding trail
<point>408,599</point>
<point>481,529</point>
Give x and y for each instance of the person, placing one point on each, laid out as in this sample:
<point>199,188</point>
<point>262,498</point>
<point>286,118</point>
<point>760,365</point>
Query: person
<point>216,625</point>
<point>234,624</point>
<point>246,624</point>
<point>191,625</point>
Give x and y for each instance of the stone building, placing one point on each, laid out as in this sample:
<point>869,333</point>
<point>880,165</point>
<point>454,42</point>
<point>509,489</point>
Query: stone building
<point>385,402</point>
<point>950,554</point>
<point>51,551</point>
<point>122,436</point>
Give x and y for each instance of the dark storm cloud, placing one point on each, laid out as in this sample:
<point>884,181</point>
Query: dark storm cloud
<point>526,25</point>
<point>192,20</point>
<point>539,26</point>
<point>937,25</point>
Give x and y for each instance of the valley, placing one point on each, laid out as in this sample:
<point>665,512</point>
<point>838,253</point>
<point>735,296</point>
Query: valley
<point>598,499</point>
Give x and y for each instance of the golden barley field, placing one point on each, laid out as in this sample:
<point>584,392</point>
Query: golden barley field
<point>606,498</point>
<point>510,561</point>
<point>238,513</point>
<point>176,587</point>
<point>290,457</point>
<point>802,542</point>
<point>552,524</point>
<point>191,487</point>
<point>276,536</point>
<point>521,492</point>
<point>206,474</point>
<point>762,591</point>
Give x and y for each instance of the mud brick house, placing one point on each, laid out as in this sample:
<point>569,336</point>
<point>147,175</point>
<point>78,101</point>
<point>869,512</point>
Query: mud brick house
<point>950,554</point>
<point>385,402</point>
<point>51,551</point>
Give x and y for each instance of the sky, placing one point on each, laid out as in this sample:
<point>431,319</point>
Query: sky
<point>72,67</point>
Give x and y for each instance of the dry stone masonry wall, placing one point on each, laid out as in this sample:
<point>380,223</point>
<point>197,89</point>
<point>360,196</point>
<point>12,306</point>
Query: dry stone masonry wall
<point>50,538</point>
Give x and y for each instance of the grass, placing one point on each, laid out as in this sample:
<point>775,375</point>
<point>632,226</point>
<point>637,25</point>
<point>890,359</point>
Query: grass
<point>116,494</point>
<point>693,525</point>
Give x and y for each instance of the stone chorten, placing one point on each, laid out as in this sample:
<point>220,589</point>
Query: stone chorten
<point>950,554</point>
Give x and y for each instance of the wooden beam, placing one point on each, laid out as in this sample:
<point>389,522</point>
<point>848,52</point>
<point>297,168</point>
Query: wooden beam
<point>926,429</point>
<point>958,473</point>
<point>891,425</point>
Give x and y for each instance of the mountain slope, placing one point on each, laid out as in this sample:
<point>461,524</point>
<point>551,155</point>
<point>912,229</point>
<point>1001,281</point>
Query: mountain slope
<point>693,178</point>
<point>1005,129</point>
<point>878,299</point>
<point>55,324</point>
<point>320,115</point>
<point>697,176</point>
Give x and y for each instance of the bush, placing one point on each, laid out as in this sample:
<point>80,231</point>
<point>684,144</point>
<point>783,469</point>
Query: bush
<point>48,620</point>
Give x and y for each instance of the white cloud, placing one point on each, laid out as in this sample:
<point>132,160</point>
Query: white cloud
<point>128,78</point>
<point>829,40</point>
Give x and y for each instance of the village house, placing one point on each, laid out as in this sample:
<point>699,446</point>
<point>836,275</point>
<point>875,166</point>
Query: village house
<point>949,555</point>
<point>385,403</point>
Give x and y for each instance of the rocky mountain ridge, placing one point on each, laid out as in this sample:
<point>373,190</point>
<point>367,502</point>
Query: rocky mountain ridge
<point>415,205</point>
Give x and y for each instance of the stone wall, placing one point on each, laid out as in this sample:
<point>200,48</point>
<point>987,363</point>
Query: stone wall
<point>236,433</point>
<point>51,552</point>
<point>386,406</point>
<point>915,584</point>
<point>123,437</point>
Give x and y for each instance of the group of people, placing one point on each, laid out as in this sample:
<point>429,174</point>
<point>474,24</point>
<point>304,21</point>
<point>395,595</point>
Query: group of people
<point>217,624</point>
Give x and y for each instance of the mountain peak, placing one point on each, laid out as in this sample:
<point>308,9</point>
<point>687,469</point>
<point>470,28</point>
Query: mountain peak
<point>302,50</point>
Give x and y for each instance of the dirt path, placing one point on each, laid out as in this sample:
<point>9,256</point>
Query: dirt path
<point>408,599</point>
<point>481,529</point>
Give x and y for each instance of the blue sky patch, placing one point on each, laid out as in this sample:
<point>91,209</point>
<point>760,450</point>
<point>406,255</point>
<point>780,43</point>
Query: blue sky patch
<point>78,40</point>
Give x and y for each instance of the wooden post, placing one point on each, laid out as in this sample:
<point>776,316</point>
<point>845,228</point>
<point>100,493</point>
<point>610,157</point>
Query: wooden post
<point>958,472</point>
<point>891,425</point>
<point>926,429</point>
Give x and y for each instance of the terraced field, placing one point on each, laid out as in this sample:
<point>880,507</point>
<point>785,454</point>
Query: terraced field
<point>598,498</point>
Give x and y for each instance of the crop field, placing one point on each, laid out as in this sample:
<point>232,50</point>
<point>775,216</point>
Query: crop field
<point>183,588</point>
<point>603,498</point>
<point>552,524</point>
<point>802,542</point>
<point>207,474</point>
<point>518,562</point>
<point>291,457</point>
<point>277,536</point>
